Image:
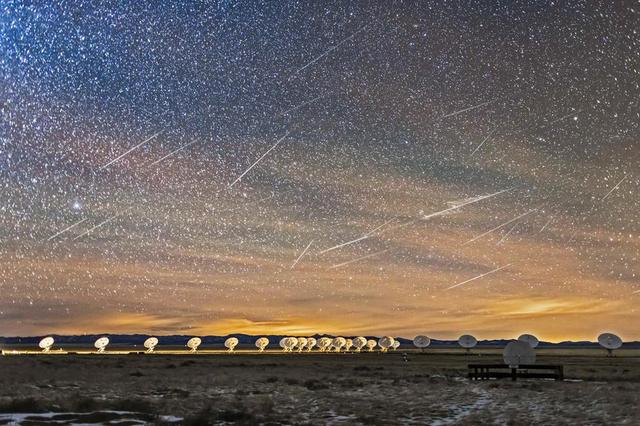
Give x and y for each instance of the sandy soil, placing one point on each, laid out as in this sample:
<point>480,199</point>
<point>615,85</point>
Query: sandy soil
<point>429,388</point>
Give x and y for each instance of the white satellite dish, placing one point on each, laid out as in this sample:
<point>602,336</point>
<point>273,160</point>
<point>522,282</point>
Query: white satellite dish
<point>530,339</point>
<point>518,353</point>
<point>46,344</point>
<point>396,344</point>
<point>467,341</point>
<point>101,344</point>
<point>371,344</point>
<point>385,343</point>
<point>150,344</point>
<point>302,343</point>
<point>194,343</point>
<point>283,343</point>
<point>610,342</point>
<point>421,342</point>
<point>290,343</point>
<point>231,343</point>
<point>324,343</point>
<point>338,343</point>
<point>262,343</point>
<point>348,344</point>
<point>359,343</point>
<point>311,342</point>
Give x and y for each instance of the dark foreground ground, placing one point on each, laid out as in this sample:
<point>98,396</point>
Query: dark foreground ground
<point>369,388</point>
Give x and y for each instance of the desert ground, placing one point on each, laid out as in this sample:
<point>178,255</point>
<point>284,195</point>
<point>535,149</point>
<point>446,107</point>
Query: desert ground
<point>314,388</point>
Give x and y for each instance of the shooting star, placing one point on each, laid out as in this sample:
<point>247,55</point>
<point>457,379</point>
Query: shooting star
<point>484,140</point>
<point>452,114</point>
<point>130,150</point>
<point>573,113</point>
<point>546,224</point>
<point>175,151</point>
<point>66,229</point>
<point>358,259</point>
<point>331,49</point>
<point>478,277</point>
<point>301,254</point>
<point>104,222</point>
<point>364,237</point>
<point>614,188</point>
<point>505,236</point>
<point>499,226</point>
<point>635,292</point>
<point>300,106</point>
<point>258,160</point>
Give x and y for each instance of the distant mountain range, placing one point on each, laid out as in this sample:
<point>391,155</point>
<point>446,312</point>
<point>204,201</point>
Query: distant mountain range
<point>245,339</point>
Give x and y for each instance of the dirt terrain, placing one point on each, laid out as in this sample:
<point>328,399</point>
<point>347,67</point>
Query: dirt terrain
<point>273,388</point>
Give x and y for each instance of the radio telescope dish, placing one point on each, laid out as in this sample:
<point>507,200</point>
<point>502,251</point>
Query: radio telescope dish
<point>151,344</point>
<point>311,342</point>
<point>46,344</point>
<point>385,343</point>
<point>193,343</point>
<point>101,344</point>
<point>302,343</point>
<point>324,343</point>
<point>610,342</point>
<point>262,343</point>
<point>231,343</point>
<point>359,343</point>
<point>518,352</point>
<point>396,344</point>
<point>421,342</point>
<point>530,339</point>
<point>467,341</point>
<point>290,343</point>
<point>371,344</point>
<point>338,343</point>
<point>348,344</point>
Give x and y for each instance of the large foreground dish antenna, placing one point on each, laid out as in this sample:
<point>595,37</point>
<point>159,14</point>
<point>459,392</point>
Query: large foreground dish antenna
<point>231,343</point>
<point>262,343</point>
<point>385,343</point>
<point>467,341</point>
<point>194,343</point>
<point>302,343</point>
<point>348,344</point>
<point>530,339</point>
<point>518,353</point>
<point>421,342</point>
<point>371,344</point>
<point>359,343</point>
<point>101,344</point>
<point>46,344</point>
<point>338,343</point>
<point>324,343</point>
<point>311,342</point>
<point>290,343</point>
<point>610,342</point>
<point>150,344</point>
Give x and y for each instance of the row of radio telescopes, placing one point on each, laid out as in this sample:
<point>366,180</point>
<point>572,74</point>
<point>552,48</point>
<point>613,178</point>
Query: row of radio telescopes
<point>337,344</point>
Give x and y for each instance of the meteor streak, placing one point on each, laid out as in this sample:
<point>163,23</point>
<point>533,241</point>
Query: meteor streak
<point>484,140</point>
<point>301,254</point>
<point>500,226</point>
<point>175,151</point>
<point>331,49</point>
<point>130,150</point>
<point>614,188</point>
<point>104,222</point>
<point>358,259</point>
<point>364,237</point>
<point>300,106</point>
<point>258,160</point>
<point>452,114</point>
<point>506,235</point>
<point>66,229</point>
<point>478,277</point>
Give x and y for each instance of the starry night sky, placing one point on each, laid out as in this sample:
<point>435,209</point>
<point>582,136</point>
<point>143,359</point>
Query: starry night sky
<point>125,126</point>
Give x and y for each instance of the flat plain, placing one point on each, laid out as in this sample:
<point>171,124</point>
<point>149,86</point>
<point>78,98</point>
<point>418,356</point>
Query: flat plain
<point>402,387</point>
